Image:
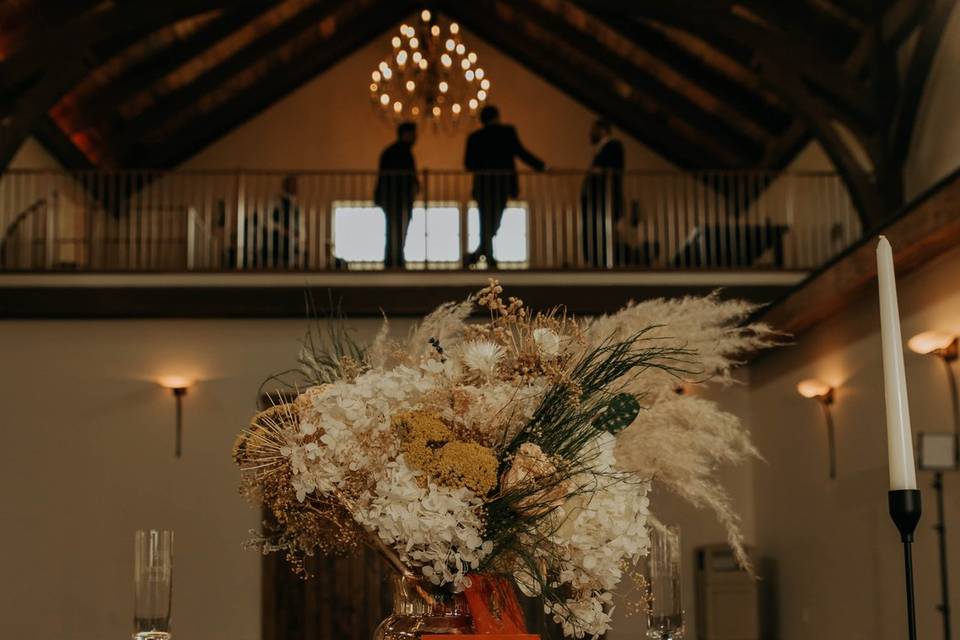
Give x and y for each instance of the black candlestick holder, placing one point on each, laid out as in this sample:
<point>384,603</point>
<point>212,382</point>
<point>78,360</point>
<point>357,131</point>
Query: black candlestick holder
<point>905,512</point>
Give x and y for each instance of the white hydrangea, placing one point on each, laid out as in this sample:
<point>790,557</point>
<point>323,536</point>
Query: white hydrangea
<point>434,527</point>
<point>600,532</point>
<point>353,420</point>
<point>586,616</point>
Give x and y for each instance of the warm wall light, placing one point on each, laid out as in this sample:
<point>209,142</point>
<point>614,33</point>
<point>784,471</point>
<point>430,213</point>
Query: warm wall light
<point>178,385</point>
<point>823,393</point>
<point>813,388</point>
<point>934,343</point>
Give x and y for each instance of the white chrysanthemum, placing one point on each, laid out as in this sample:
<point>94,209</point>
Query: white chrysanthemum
<point>482,357</point>
<point>547,341</point>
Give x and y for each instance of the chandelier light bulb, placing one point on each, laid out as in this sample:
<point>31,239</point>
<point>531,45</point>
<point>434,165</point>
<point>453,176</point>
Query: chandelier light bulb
<point>404,85</point>
<point>480,73</point>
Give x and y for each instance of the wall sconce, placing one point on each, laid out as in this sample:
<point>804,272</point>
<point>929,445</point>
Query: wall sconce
<point>822,393</point>
<point>944,346</point>
<point>178,385</point>
<point>940,452</point>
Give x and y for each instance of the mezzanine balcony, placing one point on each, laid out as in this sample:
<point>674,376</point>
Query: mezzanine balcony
<point>248,243</point>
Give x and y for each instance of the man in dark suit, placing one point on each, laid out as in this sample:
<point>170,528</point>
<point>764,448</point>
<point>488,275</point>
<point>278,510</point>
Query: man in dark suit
<point>601,197</point>
<point>397,185</point>
<point>490,157</point>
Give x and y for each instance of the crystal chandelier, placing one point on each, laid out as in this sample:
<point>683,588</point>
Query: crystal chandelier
<point>429,77</point>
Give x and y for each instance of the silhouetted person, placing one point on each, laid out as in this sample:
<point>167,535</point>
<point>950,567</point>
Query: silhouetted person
<point>271,239</point>
<point>286,224</point>
<point>397,185</point>
<point>490,157</point>
<point>601,197</point>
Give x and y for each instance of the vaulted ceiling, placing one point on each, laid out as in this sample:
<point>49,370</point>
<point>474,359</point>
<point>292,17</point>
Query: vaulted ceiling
<point>709,84</point>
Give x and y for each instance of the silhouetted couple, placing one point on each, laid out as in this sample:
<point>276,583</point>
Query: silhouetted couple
<point>490,156</point>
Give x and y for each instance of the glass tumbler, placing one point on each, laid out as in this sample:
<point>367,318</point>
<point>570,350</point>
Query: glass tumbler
<point>152,584</point>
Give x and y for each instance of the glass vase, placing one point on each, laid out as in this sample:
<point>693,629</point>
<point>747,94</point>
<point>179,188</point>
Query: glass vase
<point>153,584</point>
<point>662,573</point>
<point>420,608</point>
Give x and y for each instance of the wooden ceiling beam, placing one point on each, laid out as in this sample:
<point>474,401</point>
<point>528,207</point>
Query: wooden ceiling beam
<point>135,131</point>
<point>816,114</point>
<point>802,24</point>
<point>915,80</point>
<point>350,36</point>
<point>677,57</point>
<point>712,18</point>
<point>148,72</point>
<point>54,140</point>
<point>100,22</point>
<point>60,57</point>
<point>730,129</point>
<point>653,131</point>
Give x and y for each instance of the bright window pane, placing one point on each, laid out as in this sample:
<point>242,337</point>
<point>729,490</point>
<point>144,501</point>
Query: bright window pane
<point>359,232</point>
<point>510,243</point>
<point>434,237</point>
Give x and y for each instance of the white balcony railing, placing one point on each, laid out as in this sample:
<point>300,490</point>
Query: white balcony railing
<point>220,221</point>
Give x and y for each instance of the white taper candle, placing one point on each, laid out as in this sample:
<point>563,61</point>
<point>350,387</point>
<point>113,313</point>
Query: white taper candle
<point>903,473</point>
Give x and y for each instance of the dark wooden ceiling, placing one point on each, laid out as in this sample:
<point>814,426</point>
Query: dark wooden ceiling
<point>709,84</point>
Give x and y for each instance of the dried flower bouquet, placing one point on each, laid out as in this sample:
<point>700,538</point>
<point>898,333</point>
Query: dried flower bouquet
<point>525,445</point>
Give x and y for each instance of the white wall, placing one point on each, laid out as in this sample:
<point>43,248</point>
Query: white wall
<point>935,146</point>
<point>329,123</point>
<point>33,155</point>
<point>88,458</point>
<point>698,527</point>
<point>839,559</point>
